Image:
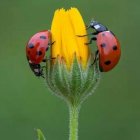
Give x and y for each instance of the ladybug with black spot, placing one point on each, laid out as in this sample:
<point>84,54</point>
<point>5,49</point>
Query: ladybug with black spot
<point>37,46</point>
<point>36,49</point>
<point>108,46</point>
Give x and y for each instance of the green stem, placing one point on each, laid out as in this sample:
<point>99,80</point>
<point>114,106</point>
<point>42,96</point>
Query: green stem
<point>73,124</point>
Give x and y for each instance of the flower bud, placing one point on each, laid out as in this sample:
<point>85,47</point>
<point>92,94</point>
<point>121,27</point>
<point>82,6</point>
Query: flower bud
<point>72,75</point>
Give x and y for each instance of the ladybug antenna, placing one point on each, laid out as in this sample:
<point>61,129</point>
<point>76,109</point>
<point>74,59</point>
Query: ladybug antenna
<point>92,20</point>
<point>90,25</point>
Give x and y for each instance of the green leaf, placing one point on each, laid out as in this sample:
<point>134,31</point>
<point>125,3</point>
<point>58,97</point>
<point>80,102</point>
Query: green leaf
<point>40,135</point>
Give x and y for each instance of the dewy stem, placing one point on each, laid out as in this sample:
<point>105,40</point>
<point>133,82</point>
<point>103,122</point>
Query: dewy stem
<point>73,124</point>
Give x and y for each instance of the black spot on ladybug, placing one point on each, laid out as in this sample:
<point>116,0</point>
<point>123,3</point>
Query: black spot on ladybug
<point>107,62</point>
<point>31,45</point>
<point>115,48</point>
<point>42,37</point>
<point>103,45</point>
<point>103,34</point>
<point>39,53</point>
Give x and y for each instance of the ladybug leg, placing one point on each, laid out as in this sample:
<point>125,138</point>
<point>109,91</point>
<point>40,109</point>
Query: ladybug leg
<point>96,57</point>
<point>47,48</point>
<point>84,35</point>
<point>94,33</point>
<point>44,60</point>
<point>41,72</point>
<point>93,38</point>
<point>48,59</point>
<point>87,27</point>
<point>42,67</point>
<point>42,76</point>
<point>51,43</point>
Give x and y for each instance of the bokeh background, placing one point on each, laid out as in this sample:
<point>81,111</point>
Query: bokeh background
<point>112,113</point>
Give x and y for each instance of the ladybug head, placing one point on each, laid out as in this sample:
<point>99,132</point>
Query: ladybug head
<point>93,23</point>
<point>97,26</point>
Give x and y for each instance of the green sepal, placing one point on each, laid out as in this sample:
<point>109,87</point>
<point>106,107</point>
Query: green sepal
<point>40,135</point>
<point>73,85</point>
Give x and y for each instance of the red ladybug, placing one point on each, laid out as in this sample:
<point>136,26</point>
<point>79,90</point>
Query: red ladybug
<point>37,46</point>
<point>108,46</point>
<point>36,49</point>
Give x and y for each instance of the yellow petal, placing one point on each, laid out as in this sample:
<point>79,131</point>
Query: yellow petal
<point>56,34</point>
<point>66,25</point>
<point>80,29</point>
<point>69,44</point>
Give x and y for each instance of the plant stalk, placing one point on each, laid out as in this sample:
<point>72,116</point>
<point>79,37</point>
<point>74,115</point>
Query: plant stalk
<point>73,124</point>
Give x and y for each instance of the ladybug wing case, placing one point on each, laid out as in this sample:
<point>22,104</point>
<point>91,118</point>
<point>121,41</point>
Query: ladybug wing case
<point>109,50</point>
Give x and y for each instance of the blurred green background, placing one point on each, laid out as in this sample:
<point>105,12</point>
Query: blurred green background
<point>112,113</point>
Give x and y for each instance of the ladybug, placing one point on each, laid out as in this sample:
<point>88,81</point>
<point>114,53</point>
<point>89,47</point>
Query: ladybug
<point>108,46</point>
<point>36,68</point>
<point>36,49</point>
<point>37,46</point>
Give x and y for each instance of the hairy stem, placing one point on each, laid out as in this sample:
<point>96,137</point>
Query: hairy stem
<point>73,124</point>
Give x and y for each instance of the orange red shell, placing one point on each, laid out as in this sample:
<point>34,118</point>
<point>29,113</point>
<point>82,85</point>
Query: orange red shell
<point>37,46</point>
<point>109,50</point>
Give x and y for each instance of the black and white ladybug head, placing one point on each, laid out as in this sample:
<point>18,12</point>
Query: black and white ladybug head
<point>93,23</point>
<point>36,68</point>
<point>98,26</point>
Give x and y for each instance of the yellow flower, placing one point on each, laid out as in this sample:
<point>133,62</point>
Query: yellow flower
<point>66,25</point>
<point>71,79</point>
